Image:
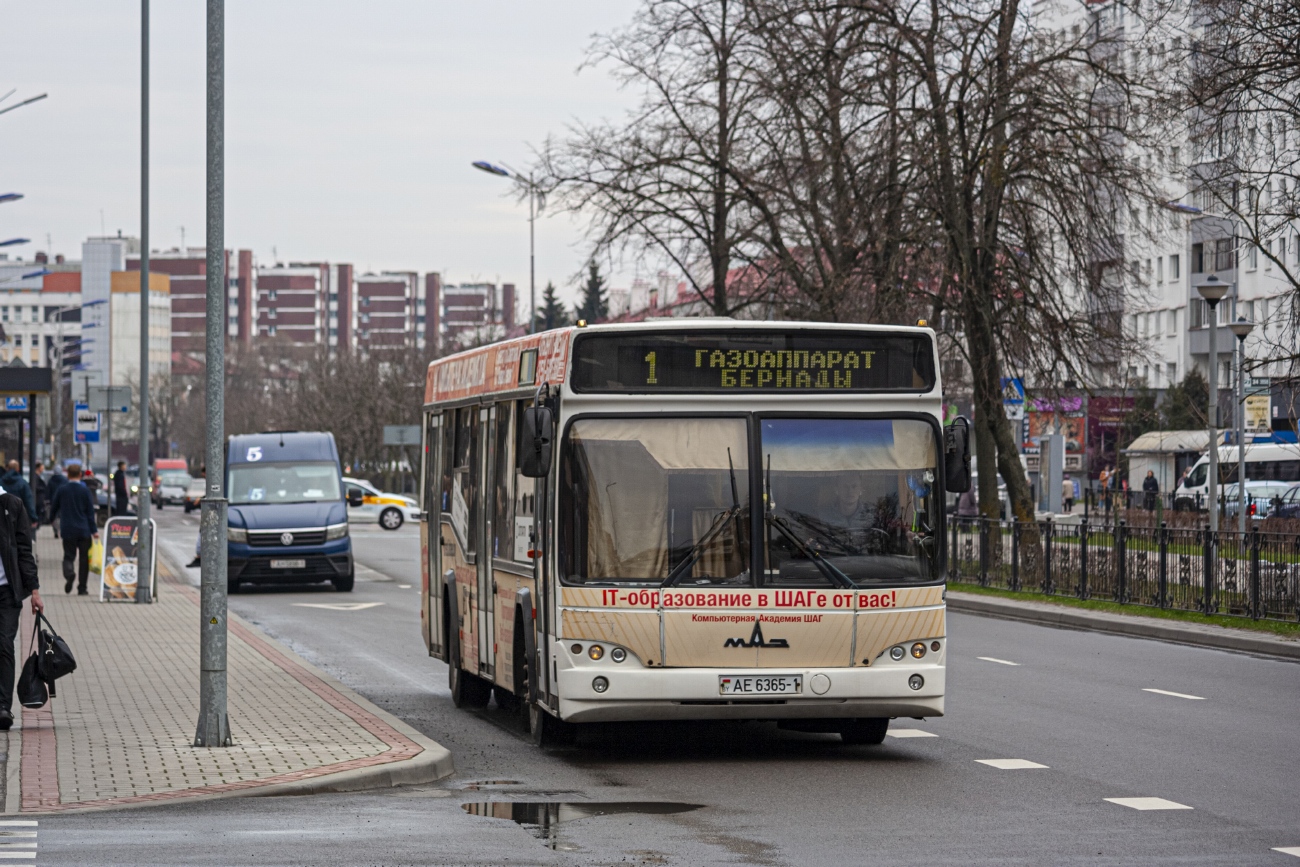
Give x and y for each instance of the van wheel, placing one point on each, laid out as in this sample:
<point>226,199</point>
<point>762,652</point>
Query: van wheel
<point>467,690</point>
<point>390,518</point>
<point>344,584</point>
<point>864,731</point>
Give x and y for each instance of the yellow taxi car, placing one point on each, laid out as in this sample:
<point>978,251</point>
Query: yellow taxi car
<point>368,505</point>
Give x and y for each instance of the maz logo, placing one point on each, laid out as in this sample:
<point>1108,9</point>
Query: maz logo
<point>756,640</point>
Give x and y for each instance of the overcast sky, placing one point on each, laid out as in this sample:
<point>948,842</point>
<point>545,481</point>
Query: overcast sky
<point>350,127</point>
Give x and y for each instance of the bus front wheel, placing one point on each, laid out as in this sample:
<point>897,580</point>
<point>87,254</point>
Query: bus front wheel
<point>467,690</point>
<point>548,731</point>
<point>864,731</point>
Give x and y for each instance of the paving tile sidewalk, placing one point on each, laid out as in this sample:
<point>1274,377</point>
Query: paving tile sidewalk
<point>121,728</point>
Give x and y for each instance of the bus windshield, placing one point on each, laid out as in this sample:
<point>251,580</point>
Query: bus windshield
<point>850,502</point>
<point>308,482</point>
<point>656,501</point>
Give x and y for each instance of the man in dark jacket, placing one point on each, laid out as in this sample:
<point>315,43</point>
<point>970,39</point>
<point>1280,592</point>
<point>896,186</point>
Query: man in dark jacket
<point>120,494</point>
<point>73,503</point>
<point>15,484</point>
<point>42,492</point>
<point>18,580</point>
<point>51,488</point>
<point>1151,488</point>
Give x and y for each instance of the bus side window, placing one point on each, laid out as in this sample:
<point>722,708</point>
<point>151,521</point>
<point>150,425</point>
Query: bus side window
<point>448,460</point>
<point>465,482</point>
<point>431,491</point>
<point>503,522</point>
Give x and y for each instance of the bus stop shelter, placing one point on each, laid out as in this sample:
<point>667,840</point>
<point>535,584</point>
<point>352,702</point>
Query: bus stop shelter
<point>19,387</point>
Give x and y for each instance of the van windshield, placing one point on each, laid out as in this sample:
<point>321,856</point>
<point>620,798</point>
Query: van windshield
<point>311,482</point>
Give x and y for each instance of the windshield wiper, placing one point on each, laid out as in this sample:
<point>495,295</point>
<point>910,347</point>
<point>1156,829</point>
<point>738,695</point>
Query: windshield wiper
<point>697,550</point>
<point>830,570</point>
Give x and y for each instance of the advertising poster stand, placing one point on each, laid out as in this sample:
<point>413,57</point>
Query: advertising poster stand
<point>117,578</point>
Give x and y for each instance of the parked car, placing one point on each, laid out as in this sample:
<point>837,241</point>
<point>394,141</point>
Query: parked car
<point>194,494</point>
<point>1288,504</point>
<point>1260,497</point>
<point>368,505</point>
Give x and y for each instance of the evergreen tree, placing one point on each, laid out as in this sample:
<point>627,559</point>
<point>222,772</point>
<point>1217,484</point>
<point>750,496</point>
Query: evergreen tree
<point>552,313</point>
<point>595,304</point>
<point>1185,404</point>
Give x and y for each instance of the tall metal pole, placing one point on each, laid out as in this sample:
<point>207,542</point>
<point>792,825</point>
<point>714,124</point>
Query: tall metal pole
<point>144,564</point>
<point>214,727</point>
<point>1214,414</point>
<point>1241,436</point>
<point>532,260</point>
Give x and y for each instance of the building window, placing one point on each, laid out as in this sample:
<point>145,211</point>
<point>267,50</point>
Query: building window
<point>365,300</point>
<point>271,331</point>
<point>1198,258</point>
<point>1223,255</point>
<point>1173,267</point>
<point>270,313</point>
<point>1171,372</point>
<point>1173,322</point>
<point>270,295</point>
<point>1252,257</point>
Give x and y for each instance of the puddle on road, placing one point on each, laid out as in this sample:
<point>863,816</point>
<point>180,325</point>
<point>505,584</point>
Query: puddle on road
<point>542,817</point>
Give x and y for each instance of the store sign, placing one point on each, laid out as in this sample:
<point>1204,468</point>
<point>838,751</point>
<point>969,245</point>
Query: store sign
<point>120,575</point>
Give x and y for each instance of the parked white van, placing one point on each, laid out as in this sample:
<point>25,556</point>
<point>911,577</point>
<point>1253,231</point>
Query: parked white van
<point>1265,462</point>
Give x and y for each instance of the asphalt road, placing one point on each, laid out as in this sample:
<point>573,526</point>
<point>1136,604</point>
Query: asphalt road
<point>1108,717</point>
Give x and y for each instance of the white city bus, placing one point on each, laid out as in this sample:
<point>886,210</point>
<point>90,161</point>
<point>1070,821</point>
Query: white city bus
<point>691,519</point>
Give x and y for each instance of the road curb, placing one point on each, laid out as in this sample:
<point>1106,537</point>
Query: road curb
<point>433,762</point>
<point>1133,626</point>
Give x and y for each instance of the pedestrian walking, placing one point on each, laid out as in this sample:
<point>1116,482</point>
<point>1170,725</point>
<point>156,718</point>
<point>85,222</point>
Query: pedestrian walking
<point>42,492</point>
<point>1070,489</point>
<point>120,493</point>
<point>57,480</point>
<point>18,580</point>
<point>74,504</point>
<point>1150,490</point>
<point>15,484</point>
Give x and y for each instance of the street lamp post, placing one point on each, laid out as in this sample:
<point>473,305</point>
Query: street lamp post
<point>491,169</point>
<point>1241,328</point>
<point>1213,290</point>
<point>144,565</point>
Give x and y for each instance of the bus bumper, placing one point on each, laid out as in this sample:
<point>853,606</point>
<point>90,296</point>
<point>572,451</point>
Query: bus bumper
<point>638,693</point>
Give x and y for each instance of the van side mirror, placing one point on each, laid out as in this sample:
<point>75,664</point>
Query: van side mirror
<point>535,444</point>
<point>956,447</point>
<point>355,497</point>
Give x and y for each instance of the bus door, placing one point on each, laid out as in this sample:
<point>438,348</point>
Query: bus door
<point>431,536</point>
<point>486,595</point>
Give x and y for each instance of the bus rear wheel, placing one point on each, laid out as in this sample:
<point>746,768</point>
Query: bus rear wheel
<point>864,731</point>
<point>467,690</point>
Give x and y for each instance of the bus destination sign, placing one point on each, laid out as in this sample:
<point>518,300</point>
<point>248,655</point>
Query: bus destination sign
<point>734,360</point>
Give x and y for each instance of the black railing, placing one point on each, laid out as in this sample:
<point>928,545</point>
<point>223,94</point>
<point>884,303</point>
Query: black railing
<point>1255,574</point>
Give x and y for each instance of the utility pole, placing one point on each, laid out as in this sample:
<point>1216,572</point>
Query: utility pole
<point>144,564</point>
<point>214,727</point>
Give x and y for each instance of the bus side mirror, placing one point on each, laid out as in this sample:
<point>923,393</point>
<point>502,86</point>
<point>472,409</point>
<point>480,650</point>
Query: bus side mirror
<point>956,446</point>
<point>355,498</point>
<point>535,448</point>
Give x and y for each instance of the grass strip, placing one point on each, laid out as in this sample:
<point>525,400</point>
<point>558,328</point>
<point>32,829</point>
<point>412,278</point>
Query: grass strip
<point>1285,628</point>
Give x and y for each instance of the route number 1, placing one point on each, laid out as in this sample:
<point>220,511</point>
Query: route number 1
<point>651,379</point>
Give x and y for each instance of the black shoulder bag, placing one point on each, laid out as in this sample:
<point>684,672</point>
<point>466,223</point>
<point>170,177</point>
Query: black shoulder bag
<point>31,687</point>
<point>56,656</point>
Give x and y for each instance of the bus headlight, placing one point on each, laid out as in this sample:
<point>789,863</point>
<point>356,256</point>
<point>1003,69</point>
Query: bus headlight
<point>596,652</point>
<point>237,534</point>
<point>918,650</point>
<point>916,681</point>
<point>336,531</point>
<point>896,653</point>
<point>600,684</point>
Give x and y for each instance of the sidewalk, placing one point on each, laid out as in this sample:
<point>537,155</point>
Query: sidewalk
<point>121,728</point>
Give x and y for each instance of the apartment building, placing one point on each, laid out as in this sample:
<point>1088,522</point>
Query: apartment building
<point>389,311</point>
<point>475,313</point>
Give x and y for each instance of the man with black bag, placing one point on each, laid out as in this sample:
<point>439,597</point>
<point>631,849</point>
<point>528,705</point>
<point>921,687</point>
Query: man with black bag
<point>18,580</point>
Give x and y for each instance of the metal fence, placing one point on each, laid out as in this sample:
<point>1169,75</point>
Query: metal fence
<point>1255,574</point>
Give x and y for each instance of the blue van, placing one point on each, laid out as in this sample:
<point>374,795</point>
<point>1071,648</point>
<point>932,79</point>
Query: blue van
<point>288,518</point>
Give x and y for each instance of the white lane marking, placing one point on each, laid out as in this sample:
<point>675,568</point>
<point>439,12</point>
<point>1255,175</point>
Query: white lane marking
<point>1010,764</point>
<point>1148,803</point>
<point>31,854</point>
<point>18,823</point>
<point>910,733</point>
<point>403,586</point>
<point>998,661</point>
<point>1288,850</point>
<point>339,606</point>
<point>1175,694</point>
<point>7,834</point>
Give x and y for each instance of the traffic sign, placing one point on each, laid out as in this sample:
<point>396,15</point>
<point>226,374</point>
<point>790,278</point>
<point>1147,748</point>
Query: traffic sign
<point>85,427</point>
<point>82,380</point>
<point>15,404</point>
<point>401,434</point>
<point>110,398</point>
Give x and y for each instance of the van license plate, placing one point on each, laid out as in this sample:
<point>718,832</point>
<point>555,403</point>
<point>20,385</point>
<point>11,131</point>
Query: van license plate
<point>748,684</point>
<point>288,564</point>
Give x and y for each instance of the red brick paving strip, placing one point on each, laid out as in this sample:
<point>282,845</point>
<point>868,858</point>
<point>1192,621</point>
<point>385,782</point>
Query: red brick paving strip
<point>40,780</point>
